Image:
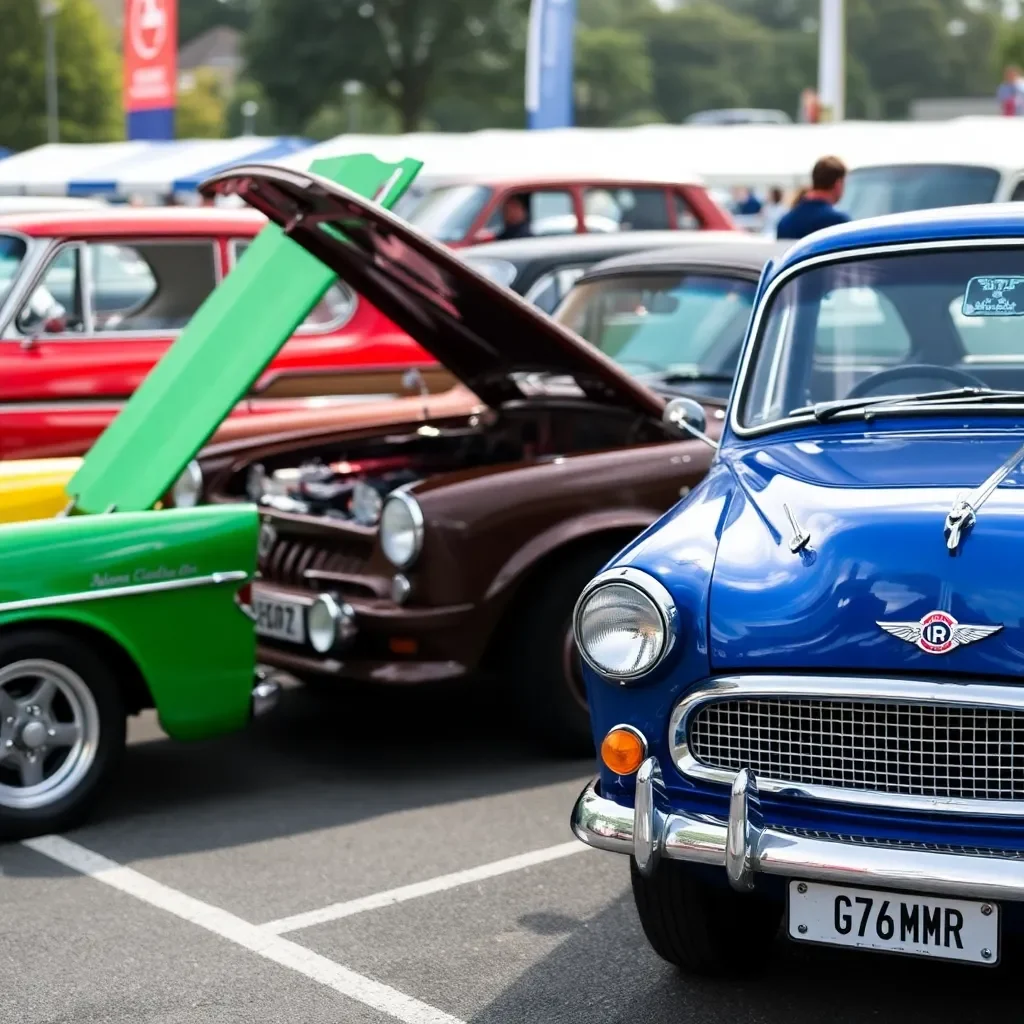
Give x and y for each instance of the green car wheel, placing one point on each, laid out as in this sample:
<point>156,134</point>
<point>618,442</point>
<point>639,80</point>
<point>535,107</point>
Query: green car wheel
<point>62,730</point>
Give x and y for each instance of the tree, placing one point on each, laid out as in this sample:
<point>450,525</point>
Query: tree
<point>88,76</point>
<point>301,51</point>
<point>612,76</point>
<point>198,16</point>
<point>201,112</point>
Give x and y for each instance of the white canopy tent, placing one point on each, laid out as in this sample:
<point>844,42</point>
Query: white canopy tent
<point>46,170</point>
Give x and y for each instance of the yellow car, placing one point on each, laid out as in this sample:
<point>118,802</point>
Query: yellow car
<point>34,488</point>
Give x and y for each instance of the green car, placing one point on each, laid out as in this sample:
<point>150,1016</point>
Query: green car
<point>119,604</point>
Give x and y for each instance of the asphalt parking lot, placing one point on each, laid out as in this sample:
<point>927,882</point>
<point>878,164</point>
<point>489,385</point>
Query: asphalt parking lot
<point>391,858</point>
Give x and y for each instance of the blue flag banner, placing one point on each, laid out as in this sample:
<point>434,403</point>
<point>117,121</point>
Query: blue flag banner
<point>549,64</point>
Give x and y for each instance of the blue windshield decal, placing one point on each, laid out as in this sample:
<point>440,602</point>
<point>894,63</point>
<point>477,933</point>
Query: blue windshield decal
<point>994,296</point>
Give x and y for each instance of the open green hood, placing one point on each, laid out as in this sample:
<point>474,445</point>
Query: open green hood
<point>212,366</point>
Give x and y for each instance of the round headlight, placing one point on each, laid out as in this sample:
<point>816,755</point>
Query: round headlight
<point>329,624</point>
<point>624,624</point>
<point>401,529</point>
<point>188,488</point>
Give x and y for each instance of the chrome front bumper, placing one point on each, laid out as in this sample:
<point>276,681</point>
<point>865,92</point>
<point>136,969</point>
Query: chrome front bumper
<point>744,846</point>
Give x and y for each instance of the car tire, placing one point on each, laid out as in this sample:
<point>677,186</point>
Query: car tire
<point>699,927</point>
<point>541,665</point>
<point>54,686</point>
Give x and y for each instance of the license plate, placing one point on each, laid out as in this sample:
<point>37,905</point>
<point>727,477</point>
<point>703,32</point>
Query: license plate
<point>282,620</point>
<point>895,922</point>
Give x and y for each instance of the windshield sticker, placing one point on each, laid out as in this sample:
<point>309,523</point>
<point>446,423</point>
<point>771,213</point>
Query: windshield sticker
<point>994,296</point>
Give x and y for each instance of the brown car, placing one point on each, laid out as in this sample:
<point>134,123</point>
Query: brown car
<point>442,535</point>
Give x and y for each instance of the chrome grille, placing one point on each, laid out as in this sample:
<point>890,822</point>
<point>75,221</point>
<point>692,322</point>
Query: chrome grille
<point>905,749</point>
<point>289,559</point>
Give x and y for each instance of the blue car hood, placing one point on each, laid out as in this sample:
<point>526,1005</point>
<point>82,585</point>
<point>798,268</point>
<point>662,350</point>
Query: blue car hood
<point>875,508</point>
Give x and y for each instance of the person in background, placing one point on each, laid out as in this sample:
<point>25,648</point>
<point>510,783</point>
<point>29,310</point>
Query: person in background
<point>1010,93</point>
<point>816,209</point>
<point>772,211</point>
<point>810,107</point>
<point>516,212</point>
<point>745,203</point>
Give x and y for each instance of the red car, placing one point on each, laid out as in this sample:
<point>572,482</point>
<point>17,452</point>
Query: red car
<point>89,301</point>
<point>468,210</point>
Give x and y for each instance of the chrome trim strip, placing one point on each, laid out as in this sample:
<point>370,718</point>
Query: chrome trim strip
<point>654,591</point>
<point>607,825</point>
<point>890,691</point>
<point>838,256</point>
<point>132,590</point>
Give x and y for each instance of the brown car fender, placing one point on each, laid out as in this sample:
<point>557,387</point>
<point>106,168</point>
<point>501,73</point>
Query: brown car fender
<point>558,536</point>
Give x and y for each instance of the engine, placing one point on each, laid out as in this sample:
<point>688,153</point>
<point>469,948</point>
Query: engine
<point>352,491</point>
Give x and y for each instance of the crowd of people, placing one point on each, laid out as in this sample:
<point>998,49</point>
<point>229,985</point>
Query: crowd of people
<point>810,209</point>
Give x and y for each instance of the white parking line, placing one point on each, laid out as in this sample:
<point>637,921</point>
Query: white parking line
<point>249,936</point>
<point>410,892</point>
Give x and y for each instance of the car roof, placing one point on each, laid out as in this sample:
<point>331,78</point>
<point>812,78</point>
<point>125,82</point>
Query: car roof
<point>525,250</point>
<point>134,220</point>
<point>742,252</point>
<point>945,224</point>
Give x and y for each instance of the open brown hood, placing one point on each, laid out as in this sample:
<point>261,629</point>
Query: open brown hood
<point>488,337</point>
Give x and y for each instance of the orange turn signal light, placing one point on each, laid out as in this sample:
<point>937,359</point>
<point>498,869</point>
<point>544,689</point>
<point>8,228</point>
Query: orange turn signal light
<point>623,750</point>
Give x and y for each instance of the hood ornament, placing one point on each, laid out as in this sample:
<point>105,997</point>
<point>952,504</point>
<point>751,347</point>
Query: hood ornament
<point>938,632</point>
<point>800,539</point>
<point>964,513</point>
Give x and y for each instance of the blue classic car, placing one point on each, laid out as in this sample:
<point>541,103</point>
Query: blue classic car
<point>805,679</point>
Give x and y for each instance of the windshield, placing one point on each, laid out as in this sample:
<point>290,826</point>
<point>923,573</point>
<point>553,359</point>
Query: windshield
<point>904,324</point>
<point>12,255</point>
<point>665,324</point>
<point>874,191</point>
<point>446,214</point>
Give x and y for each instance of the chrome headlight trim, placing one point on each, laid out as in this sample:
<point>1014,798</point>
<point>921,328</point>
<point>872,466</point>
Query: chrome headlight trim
<point>412,506</point>
<point>188,488</point>
<point>650,588</point>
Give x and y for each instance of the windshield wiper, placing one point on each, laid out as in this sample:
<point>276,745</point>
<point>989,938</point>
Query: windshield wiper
<point>871,406</point>
<point>676,377</point>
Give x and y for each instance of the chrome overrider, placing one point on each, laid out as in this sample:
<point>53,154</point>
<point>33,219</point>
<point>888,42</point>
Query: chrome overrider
<point>744,846</point>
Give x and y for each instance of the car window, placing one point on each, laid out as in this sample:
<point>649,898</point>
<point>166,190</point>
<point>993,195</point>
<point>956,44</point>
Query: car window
<point>12,256</point>
<point>632,209</point>
<point>860,324</point>
<point>873,191</point>
<point>446,214</point>
<point>334,309</point>
<point>995,338</point>
<point>663,322</point>
<point>149,286</point>
<point>1018,192</point>
<point>686,219</point>
<point>552,212</point>
<point>55,305</point>
<point>549,289</point>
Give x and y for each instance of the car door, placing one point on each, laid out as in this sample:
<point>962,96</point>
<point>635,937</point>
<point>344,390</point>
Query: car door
<point>98,317</point>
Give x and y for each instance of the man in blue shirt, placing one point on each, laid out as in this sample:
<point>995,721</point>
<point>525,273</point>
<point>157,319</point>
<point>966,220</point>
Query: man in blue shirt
<point>816,208</point>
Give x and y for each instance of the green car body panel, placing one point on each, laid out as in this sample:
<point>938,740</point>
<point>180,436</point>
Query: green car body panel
<point>149,597</point>
<point>162,587</point>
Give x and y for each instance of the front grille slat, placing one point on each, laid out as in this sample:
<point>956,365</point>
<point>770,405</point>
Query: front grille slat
<point>289,559</point>
<point>944,751</point>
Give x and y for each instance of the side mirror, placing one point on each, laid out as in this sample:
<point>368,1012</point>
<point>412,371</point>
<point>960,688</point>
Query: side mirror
<point>688,417</point>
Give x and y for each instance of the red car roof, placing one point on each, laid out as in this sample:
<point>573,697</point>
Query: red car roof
<point>135,221</point>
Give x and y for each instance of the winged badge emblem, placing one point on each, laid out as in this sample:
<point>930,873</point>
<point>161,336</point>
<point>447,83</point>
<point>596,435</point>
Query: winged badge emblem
<point>938,632</point>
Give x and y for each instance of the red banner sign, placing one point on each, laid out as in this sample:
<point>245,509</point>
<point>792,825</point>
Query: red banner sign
<point>150,54</point>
